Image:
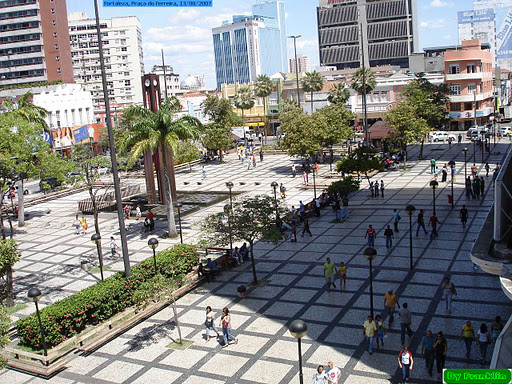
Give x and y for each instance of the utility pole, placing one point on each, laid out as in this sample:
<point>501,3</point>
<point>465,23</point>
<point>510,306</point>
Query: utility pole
<point>295,37</point>
<point>365,111</point>
<point>165,75</point>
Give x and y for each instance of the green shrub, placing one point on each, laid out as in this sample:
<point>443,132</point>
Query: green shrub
<point>344,186</point>
<point>101,301</point>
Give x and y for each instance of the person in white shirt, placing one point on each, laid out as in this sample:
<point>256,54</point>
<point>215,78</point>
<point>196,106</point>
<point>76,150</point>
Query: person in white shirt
<point>113,248</point>
<point>405,362</point>
<point>320,377</point>
<point>138,213</point>
<point>333,373</point>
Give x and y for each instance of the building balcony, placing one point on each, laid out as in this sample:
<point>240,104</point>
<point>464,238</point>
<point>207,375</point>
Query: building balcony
<point>470,97</point>
<point>468,76</point>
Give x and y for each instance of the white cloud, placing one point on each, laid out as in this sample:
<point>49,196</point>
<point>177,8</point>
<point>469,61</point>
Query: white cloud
<point>434,24</point>
<point>184,33</point>
<point>439,4</point>
<point>184,15</point>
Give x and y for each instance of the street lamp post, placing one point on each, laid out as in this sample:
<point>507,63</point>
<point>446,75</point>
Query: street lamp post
<point>96,239</point>
<point>153,243</point>
<point>296,66</point>
<point>451,163</point>
<point>229,184</point>
<point>227,209</point>
<point>274,186</point>
<point>178,207</point>
<point>34,295</point>
<point>370,254</point>
<point>465,150</point>
<point>410,209</point>
<point>433,185</point>
<point>298,329</point>
<point>314,183</point>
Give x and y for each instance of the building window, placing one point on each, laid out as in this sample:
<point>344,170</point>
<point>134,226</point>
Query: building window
<point>455,89</point>
<point>127,73</point>
<point>53,23</point>
<point>455,107</point>
<point>53,11</point>
<point>453,69</point>
<point>468,106</point>
<point>55,34</point>
<point>124,49</point>
<point>57,47</point>
<point>57,58</point>
<point>127,83</point>
<point>471,88</point>
<point>59,70</point>
<point>471,68</point>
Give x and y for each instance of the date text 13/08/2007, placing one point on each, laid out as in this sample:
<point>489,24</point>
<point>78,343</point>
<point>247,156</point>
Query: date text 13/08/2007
<point>158,3</point>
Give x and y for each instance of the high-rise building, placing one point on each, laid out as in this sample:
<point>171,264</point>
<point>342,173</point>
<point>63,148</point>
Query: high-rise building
<point>34,42</point>
<point>303,64</point>
<point>489,21</point>
<point>390,32</point>
<point>251,45</point>
<point>122,49</point>
<point>171,79</point>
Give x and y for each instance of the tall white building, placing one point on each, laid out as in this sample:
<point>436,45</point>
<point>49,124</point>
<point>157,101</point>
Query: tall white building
<point>122,43</point>
<point>489,21</point>
<point>303,63</point>
<point>171,79</point>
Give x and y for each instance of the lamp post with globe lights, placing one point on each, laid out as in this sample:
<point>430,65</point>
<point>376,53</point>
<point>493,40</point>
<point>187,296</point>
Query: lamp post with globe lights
<point>229,184</point>
<point>274,186</point>
<point>34,295</point>
<point>228,210</point>
<point>465,151</point>
<point>153,244</point>
<point>96,239</point>
<point>298,329</point>
<point>451,163</point>
<point>410,209</point>
<point>433,185</point>
<point>178,206</point>
<point>370,254</point>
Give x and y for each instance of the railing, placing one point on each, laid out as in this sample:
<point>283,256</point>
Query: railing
<point>106,200</point>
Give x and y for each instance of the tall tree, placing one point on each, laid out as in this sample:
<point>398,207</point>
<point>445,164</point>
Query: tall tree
<point>9,255</point>
<point>244,99</point>
<point>150,131</point>
<point>357,81</point>
<point>362,160</point>
<point>263,88</point>
<point>333,124</point>
<point>338,94</point>
<point>312,82</point>
<point>253,219</point>
<point>406,127</point>
<point>5,324</point>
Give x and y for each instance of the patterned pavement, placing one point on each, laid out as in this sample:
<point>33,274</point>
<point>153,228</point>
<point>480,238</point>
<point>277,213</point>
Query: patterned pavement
<point>266,352</point>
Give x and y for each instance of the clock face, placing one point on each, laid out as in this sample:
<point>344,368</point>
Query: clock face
<point>155,83</point>
<point>147,83</point>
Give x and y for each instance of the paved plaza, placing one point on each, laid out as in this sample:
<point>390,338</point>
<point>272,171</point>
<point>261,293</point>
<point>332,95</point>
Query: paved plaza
<point>266,352</point>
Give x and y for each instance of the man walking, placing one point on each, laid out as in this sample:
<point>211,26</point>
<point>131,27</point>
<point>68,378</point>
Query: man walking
<point>382,188</point>
<point>370,236</point>
<point>428,352</point>
<point>463,214</point>
<point>440,348</point>
<point>333,373</point>
<point>306,228</point>
<point>482,186</point>
<point>421,222</point>
<point>396,219</point>
<point>329,273</point>
<point>469,191</point>
<point>432,165</point>
<point>388,233</point>
<point>433,223</point>
<point>369,329</point>
<point>468,335</point>
<point>390,302</point>
<point>405,323</point>
<point>344,211</point>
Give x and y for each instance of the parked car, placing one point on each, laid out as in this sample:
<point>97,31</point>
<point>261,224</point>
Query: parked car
<point>441,136</point>
<point>474,130</point>
<point>505,131</point>
<point>49,181</point>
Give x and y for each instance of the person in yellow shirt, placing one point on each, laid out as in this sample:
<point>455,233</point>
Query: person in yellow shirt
<point>369,329</point>
<point>468,334</point>
<point>390,302</point>
<point>342,274</point>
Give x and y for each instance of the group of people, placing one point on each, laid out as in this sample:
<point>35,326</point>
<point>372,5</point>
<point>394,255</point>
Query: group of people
<point>374,188</point>
<point>483,337</point>
<point>224,324</point>
<point>333,273</point>
<point>80,225</point>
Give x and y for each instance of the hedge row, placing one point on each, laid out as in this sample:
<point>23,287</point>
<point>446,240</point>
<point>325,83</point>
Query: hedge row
<point>99,302</point>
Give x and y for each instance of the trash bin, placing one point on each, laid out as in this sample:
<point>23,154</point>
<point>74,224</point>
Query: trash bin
<point>83,264</point>
<point>450,199</point>
<point>242,290</point>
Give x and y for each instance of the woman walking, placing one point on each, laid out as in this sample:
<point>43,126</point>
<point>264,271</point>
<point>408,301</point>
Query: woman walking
<point>210,323</point>
<point>483,338</point>
<point>225,323</point>
<point>448,292</point>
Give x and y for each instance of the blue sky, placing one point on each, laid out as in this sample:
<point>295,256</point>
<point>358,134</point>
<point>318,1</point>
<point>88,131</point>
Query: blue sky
<point>185,33</point>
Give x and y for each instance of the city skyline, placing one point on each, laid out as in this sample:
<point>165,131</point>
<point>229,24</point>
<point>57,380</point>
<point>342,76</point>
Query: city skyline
<point>185,33</point>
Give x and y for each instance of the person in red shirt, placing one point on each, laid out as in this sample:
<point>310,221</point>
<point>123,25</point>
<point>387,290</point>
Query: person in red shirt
<point>370,236</point>
<point>433,223</point>
<point>150,218</point>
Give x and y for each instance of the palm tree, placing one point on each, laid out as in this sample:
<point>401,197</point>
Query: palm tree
<point>312,82</point>
<point>150,131</point>
<point>24,108</point>
<point>338,94</point>
<point>244,99</point>
<point>357,81</point>
<point>263,88</point>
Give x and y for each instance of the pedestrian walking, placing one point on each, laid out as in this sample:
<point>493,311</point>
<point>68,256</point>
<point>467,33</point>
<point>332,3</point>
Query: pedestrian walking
<point>342,274</point>
<point>487,169</point>
<point>370,235</point>
<point>483,339</point>
<point>433,223</point>
<point>440,348</point>
<point>469,190</point>
<point>381,331</point>
<point>329,273</point>
<point>127,211</point>
<point>254,161</point>
<point>337,210</point>
<point>496,172</point>
<point>396,219</point>
<point>204,169</point>
<point>463,215</point>
<point>390,303</point>
<point>293,234</point>
<point>261,155</point>
<point>428,352</point>
<point>344,211</point>
<point>369,329</point>
<point>305,177</point>
<point>225,323</point>
<point>476,187</point>
<point>84,225</point>
<point>468,335</point>
<point>405,362</point>
<point>459,139</point>
<point>432,165</point>
<point>382,188</point>
<point>282,190</point>
<point>294,170</point>
<point>333,373</point>
<point>473,170</point>
<point>436,173</point>
<point>372,189</point>
<point>138,212</point>
<point>405,323</point>
<point>482,186</point>
<point>496,328</point>
<point>421,222</point>
<point>449,291</point>
<point>319,377</point>
<point>209,323</point>
<point>306,229</point>
<point>388,233</point>
<point>444,172</point>
<point>376,188</point>
<point>113,248</point>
